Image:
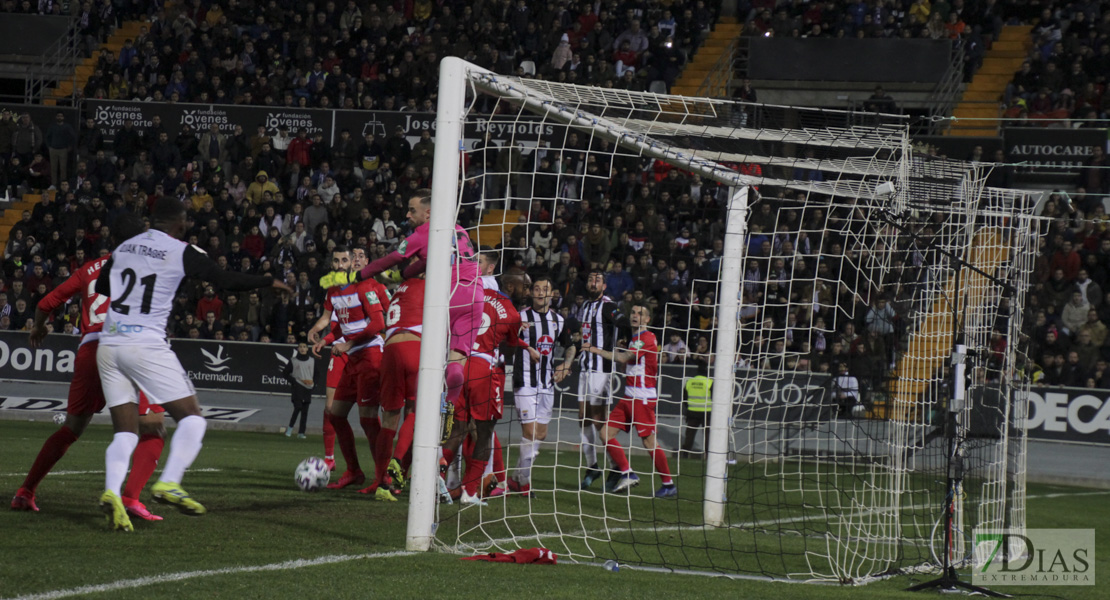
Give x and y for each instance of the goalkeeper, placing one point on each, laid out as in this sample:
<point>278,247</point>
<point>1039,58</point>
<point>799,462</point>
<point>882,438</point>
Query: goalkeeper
<point>466,300</point>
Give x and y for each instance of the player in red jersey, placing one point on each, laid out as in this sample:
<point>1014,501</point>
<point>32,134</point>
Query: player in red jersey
<point>638,409</point>
<point>85,394</point>
<point>361,316</point>
<point>400,366</point>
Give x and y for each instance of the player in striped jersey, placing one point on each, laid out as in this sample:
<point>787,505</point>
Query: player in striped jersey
<point>600,321</point>
<point>641,387</point>
<point>535,376</point>
<point>361,314</point>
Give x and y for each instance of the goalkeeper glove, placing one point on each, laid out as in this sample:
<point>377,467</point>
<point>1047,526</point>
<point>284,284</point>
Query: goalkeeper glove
<point>337,278</point>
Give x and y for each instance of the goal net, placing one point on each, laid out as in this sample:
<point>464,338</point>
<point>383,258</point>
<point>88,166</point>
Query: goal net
<point>857,306</point>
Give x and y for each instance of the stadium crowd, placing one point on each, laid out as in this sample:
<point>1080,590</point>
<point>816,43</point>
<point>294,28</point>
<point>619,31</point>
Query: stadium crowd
<point>277,202</point>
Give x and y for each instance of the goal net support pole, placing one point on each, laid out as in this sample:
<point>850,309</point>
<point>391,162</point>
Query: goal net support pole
<point>437,296</point>
<point>724,366</point>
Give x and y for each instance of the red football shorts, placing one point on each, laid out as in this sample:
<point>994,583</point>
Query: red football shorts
<point>634,413</point>
<point>482,398</point>
<point>359,382</point>
<point>86,396</point>
<point>400,366</point>
<point>335,370</point>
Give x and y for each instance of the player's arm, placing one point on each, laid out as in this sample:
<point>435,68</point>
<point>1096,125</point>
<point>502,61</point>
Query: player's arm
<point>570,350</point>
<point>104,280</point>
<point>320,325</point>
<point>411,246</point>
<point>621,356</point>
<point>197,264</point>
<point>50,303</point>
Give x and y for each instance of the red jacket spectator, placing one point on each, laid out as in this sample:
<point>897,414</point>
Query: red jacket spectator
<point>1067,259</point>
<point>210,302</point>
<point>253,244</point>
<point>298,151</point>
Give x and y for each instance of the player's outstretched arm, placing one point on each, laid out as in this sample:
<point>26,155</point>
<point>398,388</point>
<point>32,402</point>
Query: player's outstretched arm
<point>620,356</point>
<point>198,264</point>
<point>50,302</point>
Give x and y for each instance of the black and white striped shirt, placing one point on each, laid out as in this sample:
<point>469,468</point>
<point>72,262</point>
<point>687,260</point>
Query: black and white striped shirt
<point>540,331</point>
<point>598,319</point>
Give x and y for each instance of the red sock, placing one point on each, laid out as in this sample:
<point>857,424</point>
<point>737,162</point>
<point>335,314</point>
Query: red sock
<point>143,463</point>
<point>346,437</point>
<point>498,460</point>
<point>404,437</point>
<point>474,470</point>
<point>382,452</point>
<point>329,437</point>
<point>371,427</point>
<point>53,449</point>
<point>617,454</point>
<point>661,465</point>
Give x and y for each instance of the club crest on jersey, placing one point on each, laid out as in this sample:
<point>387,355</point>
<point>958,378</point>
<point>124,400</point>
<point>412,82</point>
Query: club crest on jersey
<point>637,345</point>
<point>404,245</point>
<point>372,297</point>
<point>545,345</point>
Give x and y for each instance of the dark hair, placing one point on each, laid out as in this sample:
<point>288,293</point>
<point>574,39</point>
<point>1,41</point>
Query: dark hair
<point>340,248</point>
<point>597,270</point>
<point>493,256</point>
<point>167,209</point>
<point>425,196</point>
<point>539,278</point>
<point>127,226</point>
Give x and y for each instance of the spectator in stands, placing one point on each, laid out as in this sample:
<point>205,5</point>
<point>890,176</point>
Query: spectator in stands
<point>27,139</point>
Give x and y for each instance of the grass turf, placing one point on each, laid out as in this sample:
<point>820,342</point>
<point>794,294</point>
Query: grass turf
<point>258,517</point>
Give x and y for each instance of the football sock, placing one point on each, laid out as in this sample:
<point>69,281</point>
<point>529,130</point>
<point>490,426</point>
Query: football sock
<point>371,427</point>
<point>53,449</point>
<point>184,447</point>
<point>528,451</point>
<point>474,472</point>
<point>467,447</point>
<point>589,443</point>
<point>498,460</point>
<point>346,437</point>
<point>143,463</point>
<point>660,459</point>
<point>117,458</point>
<point>382,452</point>
<point>404,436</point>
<point>617,454</point>
<point>454,379</point>
<point>329,437</point>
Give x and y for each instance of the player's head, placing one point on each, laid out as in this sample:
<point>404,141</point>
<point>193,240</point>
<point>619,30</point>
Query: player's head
<point>127,226</point>
<point>340,258</point>
<point>487,261</point>
<point>514,284</point>
<point>359,257</point>
<point>541,293</point>
<point>640,317</point>
<point>420,207</point>
<point>595,283</point>
<point>168,215</point>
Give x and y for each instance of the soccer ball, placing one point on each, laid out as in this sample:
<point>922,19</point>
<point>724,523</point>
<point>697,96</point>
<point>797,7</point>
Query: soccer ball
<point>312,474</point>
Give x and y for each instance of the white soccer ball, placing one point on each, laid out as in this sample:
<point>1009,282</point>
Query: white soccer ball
<point>59,418</point>
<point>312,474</point>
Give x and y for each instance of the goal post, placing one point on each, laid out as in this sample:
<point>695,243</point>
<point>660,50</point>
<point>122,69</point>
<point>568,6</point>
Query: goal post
<point>716,468</point>
<point>800,259</point>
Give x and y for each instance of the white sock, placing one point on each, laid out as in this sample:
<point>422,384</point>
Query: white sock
<point>589,443</point>
<point>184,448</point>
<point>489,463</point>
<point>529,449</point>
<point>117,460</point>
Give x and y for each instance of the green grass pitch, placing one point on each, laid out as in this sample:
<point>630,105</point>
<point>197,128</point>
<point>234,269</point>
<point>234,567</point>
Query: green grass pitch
<point>260,525</point>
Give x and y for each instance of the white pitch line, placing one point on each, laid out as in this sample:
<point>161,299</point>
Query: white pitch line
<point>23,473</point>
<point>126,584</point>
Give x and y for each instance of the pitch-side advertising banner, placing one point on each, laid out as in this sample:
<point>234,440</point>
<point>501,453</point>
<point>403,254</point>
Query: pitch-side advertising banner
<point>212,365</point>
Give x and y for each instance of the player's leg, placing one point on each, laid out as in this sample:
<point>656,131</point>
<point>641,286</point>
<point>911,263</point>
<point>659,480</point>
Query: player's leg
<point>619,420</point>
<point>302,428</point>
<point>369,400</point>
<point>476,462</point>
<point>465,317</point>
<point>121,400</point>
<point>158,374</point>
<point>152,439</point>
<point>644,419</point>
<point>526,405</point>
<point>346,395</point>
<point>85,398</point>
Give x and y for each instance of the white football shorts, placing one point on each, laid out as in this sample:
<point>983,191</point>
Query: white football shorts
<point>534,404</point>
<point>594,388</point>
<point>153,369</point>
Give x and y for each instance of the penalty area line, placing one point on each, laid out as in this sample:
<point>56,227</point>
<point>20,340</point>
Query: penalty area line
<point>94,472</point>
<point>125,584</point>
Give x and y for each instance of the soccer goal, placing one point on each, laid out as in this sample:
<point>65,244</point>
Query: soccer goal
<point>857,305</point>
